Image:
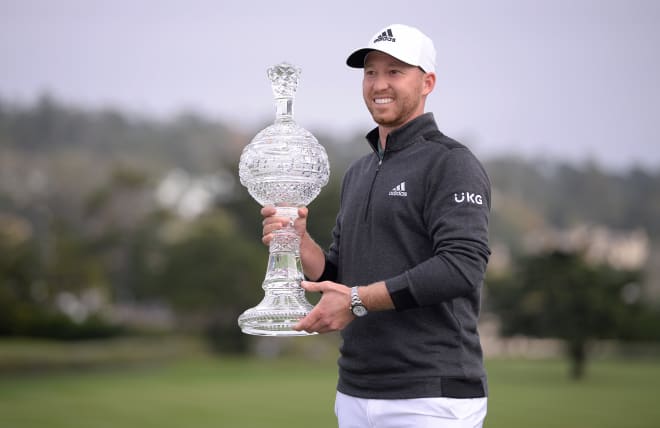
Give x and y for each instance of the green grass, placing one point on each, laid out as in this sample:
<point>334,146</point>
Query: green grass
<point>539,394</point>
<point>21,355</point>
<point>204,392</point>
<point>198,393</point>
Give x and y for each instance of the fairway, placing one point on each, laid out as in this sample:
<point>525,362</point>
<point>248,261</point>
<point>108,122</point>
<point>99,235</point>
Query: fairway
<point>200,393</point>
<point>623,394</point>
<point>232,392</point>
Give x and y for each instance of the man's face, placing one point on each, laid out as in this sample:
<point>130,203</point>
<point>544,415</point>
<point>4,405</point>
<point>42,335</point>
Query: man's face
<point>394,91</point>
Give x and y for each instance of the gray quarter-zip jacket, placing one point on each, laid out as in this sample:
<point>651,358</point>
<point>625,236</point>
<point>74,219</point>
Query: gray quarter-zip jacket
<point>418,220</point>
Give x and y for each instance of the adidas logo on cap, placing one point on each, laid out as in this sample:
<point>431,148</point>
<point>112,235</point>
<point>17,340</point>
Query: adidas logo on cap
<point>386,36</point>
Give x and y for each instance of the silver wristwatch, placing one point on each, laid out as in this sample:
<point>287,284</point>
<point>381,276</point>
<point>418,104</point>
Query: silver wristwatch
<point>357,307</point>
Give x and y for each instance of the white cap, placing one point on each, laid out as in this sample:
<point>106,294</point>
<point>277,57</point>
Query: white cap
<point>404,43</point>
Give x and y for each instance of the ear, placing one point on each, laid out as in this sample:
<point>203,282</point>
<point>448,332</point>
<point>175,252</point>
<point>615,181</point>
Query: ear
<point>429,83</point>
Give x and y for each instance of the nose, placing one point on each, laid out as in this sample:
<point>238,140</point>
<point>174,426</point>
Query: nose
<point>380,83</point>
<point>375,82</point>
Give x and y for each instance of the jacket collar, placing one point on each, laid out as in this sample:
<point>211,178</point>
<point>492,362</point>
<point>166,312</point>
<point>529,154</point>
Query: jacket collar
<point>404,136</point>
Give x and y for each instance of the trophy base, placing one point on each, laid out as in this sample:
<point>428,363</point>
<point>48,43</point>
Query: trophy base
<point>266,320</point>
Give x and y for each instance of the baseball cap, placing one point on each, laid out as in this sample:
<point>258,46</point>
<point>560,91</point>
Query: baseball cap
<point>403,42</point>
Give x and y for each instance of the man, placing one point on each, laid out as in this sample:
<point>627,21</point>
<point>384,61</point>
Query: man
<point>403,275</point>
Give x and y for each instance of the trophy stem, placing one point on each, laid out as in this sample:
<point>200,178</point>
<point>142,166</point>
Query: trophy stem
<point>284,303</point>
<point>284,110</point>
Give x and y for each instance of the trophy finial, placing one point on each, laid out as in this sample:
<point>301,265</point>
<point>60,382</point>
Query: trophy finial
<point>284,79</point>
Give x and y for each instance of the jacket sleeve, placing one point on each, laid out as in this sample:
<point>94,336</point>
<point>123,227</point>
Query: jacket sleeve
<point>330,271</point>
<point>332,256</point>
<point>456,212</point>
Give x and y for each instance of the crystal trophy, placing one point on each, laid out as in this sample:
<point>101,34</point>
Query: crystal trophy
<point>284,165</point>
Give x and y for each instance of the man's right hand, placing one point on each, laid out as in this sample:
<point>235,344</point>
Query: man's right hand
<point>272,222</point>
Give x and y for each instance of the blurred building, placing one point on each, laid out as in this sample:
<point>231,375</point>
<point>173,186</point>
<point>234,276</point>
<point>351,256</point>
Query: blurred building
<point>600,245</point>
<point>189,196</point>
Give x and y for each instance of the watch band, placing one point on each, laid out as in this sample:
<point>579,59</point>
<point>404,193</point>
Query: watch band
<point>357,307</point>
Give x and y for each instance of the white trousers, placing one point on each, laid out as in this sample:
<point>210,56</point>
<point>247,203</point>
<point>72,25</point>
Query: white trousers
<point>353,412</point>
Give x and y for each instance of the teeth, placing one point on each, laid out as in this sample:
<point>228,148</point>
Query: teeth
<point>383,100</point>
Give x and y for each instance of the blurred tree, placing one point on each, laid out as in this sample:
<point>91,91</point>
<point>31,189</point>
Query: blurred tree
<point>210,274</point>
<point>558,294</point>
<point>49,297</point>
<point>113,214</point>
<point>18,259</point>
<point>565,195</point>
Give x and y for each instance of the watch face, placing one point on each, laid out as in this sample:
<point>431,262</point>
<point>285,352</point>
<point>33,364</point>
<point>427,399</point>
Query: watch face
<point>359,310</point>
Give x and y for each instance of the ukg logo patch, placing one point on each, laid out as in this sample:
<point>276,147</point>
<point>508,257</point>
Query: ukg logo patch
<point>470,198</point>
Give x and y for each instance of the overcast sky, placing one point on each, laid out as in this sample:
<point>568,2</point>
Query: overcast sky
<point>567,79</point>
